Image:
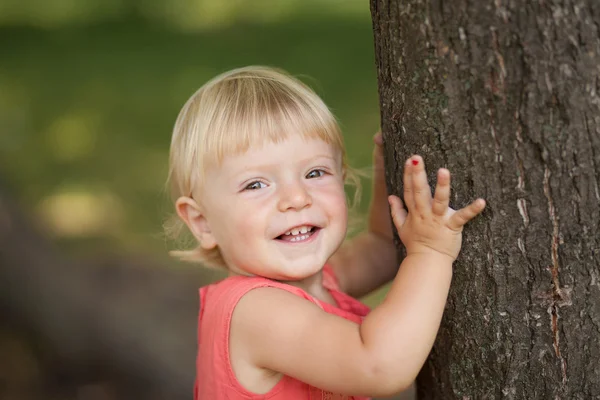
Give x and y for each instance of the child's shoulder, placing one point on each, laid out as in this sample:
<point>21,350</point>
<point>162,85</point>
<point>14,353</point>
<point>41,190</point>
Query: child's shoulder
<point>233,286</point>
<point>238,282</point>
<point>227,292</point>
<point>237,286</point>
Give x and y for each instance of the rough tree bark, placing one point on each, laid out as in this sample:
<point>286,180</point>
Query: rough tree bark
<point>506,95</point>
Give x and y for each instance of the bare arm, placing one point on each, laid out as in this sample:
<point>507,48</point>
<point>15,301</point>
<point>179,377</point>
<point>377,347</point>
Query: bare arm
<point>382,356</point>
<point>368,261</point>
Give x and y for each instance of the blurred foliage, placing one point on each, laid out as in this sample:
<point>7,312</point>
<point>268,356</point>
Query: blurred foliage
<point>89,91</point>
<point>183,14</point>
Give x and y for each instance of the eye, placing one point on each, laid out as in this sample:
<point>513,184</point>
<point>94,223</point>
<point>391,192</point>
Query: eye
<point>315,173</point>
<point>255,185</point>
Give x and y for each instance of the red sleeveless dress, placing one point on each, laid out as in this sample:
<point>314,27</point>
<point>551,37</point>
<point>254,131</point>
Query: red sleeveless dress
<point>215,379</point>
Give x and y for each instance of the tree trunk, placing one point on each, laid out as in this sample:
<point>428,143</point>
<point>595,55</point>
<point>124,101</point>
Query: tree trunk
<point>505,95</point>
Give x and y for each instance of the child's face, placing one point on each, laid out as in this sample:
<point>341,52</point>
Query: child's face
<point>278,211</point>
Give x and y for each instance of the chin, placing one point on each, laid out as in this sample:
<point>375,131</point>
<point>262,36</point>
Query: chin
<point>302,270</point>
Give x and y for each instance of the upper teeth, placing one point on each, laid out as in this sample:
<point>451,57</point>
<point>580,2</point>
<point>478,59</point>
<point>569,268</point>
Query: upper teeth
<point>299,230</point>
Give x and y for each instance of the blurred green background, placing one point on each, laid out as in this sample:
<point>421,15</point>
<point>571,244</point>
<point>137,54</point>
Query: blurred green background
<point>90,89</point>
<point>89,92</point>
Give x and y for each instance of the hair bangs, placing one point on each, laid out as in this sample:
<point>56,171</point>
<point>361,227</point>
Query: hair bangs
<point>255,112</point>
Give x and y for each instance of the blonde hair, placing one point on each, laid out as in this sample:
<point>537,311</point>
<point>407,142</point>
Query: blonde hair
<point>238,109</point>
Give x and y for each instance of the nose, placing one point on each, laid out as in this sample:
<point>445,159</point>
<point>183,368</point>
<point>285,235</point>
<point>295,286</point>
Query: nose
<point>294,196</point>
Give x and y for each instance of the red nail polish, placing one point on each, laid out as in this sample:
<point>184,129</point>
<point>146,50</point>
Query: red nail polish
<point>415,162</point>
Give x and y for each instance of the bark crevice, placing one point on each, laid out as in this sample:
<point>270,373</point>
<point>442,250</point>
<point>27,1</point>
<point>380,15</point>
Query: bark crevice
<point>497,93</point>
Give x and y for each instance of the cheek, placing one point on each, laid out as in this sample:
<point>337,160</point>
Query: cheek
<point>336,202</point>
<point>249,222</point>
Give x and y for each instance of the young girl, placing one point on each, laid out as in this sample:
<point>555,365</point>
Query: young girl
<point>258,169</point>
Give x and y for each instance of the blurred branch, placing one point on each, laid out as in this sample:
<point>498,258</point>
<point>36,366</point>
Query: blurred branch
<point>131,317</point>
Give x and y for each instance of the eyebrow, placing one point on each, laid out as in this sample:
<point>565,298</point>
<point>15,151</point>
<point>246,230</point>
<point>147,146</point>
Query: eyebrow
<point>304,161</point>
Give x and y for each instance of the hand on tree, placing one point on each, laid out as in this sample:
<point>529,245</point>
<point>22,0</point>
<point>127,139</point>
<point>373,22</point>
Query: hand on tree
<point>430,226</point>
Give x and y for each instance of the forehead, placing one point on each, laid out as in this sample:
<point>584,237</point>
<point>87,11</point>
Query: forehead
<point>290,151</point>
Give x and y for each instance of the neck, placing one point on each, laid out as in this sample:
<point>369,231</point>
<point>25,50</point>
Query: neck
<point>312,285</point>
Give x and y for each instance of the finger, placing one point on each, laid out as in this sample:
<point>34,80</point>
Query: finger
<point>378,156</point>
<point>378,138</point>
<point>378,148</point>
<point>398,212</point>
<point>441,198</point>
<point>409,200</point>
<point>464,215</point>
<point>420,186</point>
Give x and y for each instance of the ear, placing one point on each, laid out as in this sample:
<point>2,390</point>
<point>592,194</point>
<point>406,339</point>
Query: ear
<point>192,214</point>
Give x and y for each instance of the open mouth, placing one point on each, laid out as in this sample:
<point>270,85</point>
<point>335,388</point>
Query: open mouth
<point>298,234</point>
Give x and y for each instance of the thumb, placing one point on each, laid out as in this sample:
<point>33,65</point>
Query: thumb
<point>398,211</point>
